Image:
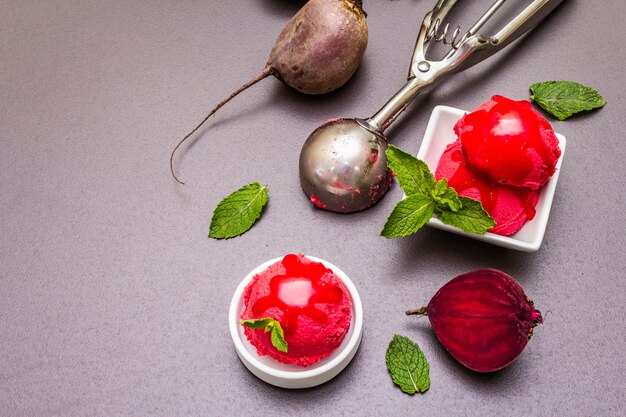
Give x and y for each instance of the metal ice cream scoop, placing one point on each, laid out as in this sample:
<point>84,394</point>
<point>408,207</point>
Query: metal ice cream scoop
<point>343,166</point>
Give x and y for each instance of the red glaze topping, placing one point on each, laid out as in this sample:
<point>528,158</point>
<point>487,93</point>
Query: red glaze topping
<point>509,142</point>
<point>296,291</point>
<point>509,206</point>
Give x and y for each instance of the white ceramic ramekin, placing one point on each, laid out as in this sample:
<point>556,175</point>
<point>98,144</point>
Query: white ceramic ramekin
<point>294,376</point>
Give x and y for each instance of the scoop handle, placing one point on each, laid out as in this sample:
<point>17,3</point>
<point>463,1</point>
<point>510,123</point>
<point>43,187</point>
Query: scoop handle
<point>396,105</point>
<point>424,73</point>
<point>479,48</point>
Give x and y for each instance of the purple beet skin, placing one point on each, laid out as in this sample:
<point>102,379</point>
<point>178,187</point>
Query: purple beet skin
<point>483,318</point>
<point>317,52</point>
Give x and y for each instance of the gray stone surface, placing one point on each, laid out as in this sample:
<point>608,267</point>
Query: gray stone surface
<point>113,301</point>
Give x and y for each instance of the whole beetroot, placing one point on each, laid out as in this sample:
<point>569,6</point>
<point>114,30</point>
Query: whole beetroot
<point>483,318</point>
<point>321,46</point>
<point>318,50</point>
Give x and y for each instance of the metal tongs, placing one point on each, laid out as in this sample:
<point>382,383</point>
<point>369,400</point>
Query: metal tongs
<point>343,166</point>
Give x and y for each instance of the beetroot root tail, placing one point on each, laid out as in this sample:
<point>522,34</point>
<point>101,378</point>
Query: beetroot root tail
<point>267,71</point>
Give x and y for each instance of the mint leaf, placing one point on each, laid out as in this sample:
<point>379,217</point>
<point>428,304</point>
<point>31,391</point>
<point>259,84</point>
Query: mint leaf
<point>471,217</point>
<point>446,196</point>
<point>269,324</point>
<point>413,175</point>
<point>237,213</point>
<point>257,323</point>
<point>565,98</point>
<point>408,366</point>
<point>408,216</point>
<point>440,187</point>
<point>278,337</point>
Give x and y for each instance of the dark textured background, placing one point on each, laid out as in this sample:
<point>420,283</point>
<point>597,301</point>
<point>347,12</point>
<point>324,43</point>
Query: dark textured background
<point>113,301</point>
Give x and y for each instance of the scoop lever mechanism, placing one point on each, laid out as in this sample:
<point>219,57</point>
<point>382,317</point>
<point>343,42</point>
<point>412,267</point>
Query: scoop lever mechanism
<point>471,49</point>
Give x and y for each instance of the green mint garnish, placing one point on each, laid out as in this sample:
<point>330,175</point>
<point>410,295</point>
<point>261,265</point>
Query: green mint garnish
<point>235,214</point>
<point>471,217</point>
<point>269,324</point>
<point>426,197</point>
<point>445,195</point>
<point>409,215</point>
<point>412,174</point>
<point>408,366</point>
<point>565,98</point>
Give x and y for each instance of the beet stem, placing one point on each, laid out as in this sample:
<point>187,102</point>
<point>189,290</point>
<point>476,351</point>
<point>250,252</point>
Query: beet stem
<point>418,311</point>
<point>359,4</point>
<point>267,71</point>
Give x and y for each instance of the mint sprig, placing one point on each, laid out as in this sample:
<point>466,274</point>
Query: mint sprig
<point>235,214</point>
<point>409,215</point>
<point>426,197</point>
<point>470,217</point>
<point>446,196</point>
<point>269,324</point>
<point>564,98</point>
<point>412,174</point>
<point>408,366</point>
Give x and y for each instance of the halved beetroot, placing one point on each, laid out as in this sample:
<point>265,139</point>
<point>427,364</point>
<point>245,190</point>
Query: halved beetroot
<point>483,318</point>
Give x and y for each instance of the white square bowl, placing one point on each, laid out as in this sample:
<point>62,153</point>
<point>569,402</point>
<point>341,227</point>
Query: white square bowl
<point>440,134</point>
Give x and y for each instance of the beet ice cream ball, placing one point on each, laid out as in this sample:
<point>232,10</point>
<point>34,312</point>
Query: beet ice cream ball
<point>509,206</point>
<point>509,142</point>
<point>311,303</point>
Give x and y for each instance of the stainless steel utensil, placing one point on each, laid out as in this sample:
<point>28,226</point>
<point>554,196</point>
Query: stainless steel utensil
<point>343,166</point>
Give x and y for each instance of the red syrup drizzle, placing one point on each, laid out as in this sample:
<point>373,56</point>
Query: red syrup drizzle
<point>464,179</point>
<point>315,200</point>
<point>500,140</point>
<point>297,291</point>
